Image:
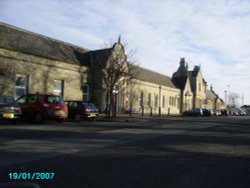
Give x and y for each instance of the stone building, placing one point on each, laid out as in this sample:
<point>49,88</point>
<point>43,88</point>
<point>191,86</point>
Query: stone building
<point>154,93</point>
<point>213,101</point>
<point>31,63</point>
<point>147,92</point>
<point>193,87</point>
<point>181,78</point>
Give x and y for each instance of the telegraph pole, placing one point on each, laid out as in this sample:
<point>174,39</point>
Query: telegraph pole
<point>229,98</point>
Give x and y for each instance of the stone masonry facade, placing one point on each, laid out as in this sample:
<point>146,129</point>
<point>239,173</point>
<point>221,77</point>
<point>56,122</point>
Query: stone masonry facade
<point>31,63</point>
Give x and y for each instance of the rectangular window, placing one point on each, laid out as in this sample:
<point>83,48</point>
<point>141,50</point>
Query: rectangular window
<point>85,92</point>
<point>172,101</point>
<point>58,87</point>
<point>156,101</point>
<point>140,99</point>
<point>149,100</point>
<point>163,101</point>
<point>21,86</point>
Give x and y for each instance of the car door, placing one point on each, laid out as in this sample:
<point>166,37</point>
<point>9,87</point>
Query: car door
<point>32,104</point>
<point>72,109</point>
<point>22,101</point>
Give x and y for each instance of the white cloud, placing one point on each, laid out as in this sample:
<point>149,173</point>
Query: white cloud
<point>214,34</point>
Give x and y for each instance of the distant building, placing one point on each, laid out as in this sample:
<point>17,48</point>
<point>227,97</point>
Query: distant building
<point>213,101</point>
<point>193,87</point>
<point>181,78</point>
<point>154,93</point>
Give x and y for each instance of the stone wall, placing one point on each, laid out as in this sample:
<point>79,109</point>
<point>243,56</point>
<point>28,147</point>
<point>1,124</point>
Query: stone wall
<point>41,72</point>
<point>169,103</point>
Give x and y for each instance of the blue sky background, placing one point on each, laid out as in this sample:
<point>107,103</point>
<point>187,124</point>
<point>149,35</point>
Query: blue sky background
<point>213,34</point>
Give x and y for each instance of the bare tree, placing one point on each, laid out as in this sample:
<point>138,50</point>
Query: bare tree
<point>233,99</point>
<point>115,68</point>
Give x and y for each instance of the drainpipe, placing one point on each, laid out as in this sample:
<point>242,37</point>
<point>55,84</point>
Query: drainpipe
<point>160,100</point>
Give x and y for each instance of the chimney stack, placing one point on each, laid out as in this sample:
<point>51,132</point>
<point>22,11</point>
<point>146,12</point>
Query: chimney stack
<point>182,62</point>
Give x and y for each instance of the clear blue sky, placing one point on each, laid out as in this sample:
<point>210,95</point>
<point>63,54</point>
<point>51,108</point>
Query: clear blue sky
<point>213,34</point>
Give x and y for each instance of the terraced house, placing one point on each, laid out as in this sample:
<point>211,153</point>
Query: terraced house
<point>31,63</point>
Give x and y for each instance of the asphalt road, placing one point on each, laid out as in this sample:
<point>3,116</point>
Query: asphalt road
<point>154,152</point>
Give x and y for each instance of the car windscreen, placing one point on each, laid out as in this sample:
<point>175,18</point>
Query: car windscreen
<point>54,99</point>
<point>6,100</point>
<point>89,105</point>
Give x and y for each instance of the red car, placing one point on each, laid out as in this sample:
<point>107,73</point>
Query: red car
<point>40,107</point>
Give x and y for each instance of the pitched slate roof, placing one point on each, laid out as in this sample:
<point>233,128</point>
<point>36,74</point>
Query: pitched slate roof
<point>211,95</point>
<point>180,82</point>
<point>17,39</point>
<point>181,76</point>
<point>153,77</point>
<point>99,57</point>
<point>20,40</point>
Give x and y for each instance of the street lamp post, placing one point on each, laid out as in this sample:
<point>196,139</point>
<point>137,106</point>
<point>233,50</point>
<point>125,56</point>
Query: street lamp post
<point>130,97</point>
<point>229,97</point>
<point>225,97</point>
<point>114,100</point>
<point>159,100</point>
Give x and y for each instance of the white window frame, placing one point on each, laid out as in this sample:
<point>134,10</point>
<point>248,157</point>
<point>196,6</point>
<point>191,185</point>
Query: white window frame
<point>59,91</point>
<point>156,101</point>
<point>163,101</point>
<point>140,99</point>
<point>24,87</point>
<point>85,93</point>
<point>149,100</point>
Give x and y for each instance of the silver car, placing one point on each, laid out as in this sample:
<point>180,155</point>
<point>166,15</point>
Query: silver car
<point>9,109</point>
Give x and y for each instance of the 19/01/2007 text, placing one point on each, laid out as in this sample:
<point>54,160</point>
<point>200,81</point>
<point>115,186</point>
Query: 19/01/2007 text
<point>31,175</point>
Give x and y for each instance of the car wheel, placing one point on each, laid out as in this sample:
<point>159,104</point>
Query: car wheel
<point>15,121</point>
<point>77,117</point>
<point>61,120</point>
<point>38,118</point>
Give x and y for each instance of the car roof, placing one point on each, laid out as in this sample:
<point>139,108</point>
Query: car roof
<point>73,101</point>
<point>5,96</point>
<point>42,94</point>
<point>78,101</point>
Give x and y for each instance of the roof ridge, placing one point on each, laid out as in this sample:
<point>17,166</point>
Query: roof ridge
<point>154,71</point>
<point>42,36</point>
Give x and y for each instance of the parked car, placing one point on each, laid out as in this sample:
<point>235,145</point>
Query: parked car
<point>236,112</point>
<point>206,112</point>
<point>193,112</point>
<point>41,107</point>
<point>9,109</point>
<point>82,110</point>
<point>215,112</point>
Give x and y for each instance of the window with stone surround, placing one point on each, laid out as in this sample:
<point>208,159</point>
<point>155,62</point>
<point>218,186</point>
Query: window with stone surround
<point>149,100</point>
<point>58,87</point>
<point>21,85</point>
<point>85,92</point>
